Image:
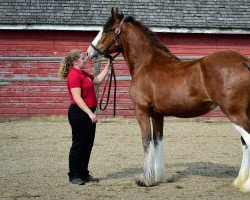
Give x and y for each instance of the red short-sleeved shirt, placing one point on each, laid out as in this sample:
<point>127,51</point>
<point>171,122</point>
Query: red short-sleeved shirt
<point>83,80</point>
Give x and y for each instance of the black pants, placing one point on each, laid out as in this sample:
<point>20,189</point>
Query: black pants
<point>83,135</point>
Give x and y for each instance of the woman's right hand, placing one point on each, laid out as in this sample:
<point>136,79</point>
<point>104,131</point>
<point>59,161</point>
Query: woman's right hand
<point>93,118</point>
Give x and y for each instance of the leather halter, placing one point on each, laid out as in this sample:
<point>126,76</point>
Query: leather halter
<point>112,74</point>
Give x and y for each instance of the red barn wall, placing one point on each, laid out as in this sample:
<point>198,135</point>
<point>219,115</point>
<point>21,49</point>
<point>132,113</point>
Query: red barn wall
<point>31,87</point>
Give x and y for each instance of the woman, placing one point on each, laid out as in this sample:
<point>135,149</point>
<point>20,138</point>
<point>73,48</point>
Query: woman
<point>81,113</point>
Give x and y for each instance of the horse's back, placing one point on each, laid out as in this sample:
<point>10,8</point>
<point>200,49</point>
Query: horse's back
<point>227,59</point>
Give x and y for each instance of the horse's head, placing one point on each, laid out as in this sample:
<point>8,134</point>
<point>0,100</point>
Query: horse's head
<point>107,40</point>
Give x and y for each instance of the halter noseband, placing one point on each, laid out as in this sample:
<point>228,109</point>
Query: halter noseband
<point>113,42</point>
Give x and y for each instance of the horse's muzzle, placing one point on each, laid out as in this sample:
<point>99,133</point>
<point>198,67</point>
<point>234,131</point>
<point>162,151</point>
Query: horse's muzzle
<point>93,55</point>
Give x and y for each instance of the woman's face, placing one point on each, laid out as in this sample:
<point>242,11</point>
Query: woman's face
<point>80,63</point>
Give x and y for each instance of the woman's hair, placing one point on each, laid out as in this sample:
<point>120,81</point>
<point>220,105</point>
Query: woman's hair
<point>68,62</point>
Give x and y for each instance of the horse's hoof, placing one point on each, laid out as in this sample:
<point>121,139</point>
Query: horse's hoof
<point>237,183</point>
<point>246,186</point>
<point>140,183</point>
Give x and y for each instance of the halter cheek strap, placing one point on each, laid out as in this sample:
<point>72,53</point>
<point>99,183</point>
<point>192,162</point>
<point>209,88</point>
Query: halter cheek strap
<point>118,30</point>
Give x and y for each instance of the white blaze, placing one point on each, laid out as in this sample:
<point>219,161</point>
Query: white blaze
<point>90,50</point>
<point>97,38</point>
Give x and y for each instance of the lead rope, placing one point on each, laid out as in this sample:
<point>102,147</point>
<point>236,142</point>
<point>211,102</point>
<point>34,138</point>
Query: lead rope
<point>109,81</point>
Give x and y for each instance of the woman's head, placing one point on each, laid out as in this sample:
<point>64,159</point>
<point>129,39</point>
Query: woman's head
<point>74,58</point>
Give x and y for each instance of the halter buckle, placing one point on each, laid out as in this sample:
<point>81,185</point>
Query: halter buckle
<point>117,31</point>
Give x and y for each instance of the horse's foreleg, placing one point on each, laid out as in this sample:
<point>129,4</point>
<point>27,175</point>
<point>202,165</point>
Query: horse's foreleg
<point>148,176</point>
<point>160,175</point>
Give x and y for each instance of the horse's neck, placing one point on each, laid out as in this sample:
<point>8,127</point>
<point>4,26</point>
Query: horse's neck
<point>137,51</point>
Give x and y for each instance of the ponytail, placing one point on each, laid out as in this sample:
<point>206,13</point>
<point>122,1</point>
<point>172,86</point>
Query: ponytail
<point>68,62</point>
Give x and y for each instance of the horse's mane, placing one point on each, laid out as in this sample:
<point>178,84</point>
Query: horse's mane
<point>151,35</point>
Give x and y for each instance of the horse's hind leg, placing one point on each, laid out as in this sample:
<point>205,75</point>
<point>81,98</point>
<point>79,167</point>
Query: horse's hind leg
<point>242,124</point>
<point>245,165</point>
<point>160,175</point>
<point>243,179</point>
<point>148,176</point>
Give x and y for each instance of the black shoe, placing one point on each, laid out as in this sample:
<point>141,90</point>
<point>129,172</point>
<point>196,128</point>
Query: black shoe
<point>77,181</point>
<point>91,179</point>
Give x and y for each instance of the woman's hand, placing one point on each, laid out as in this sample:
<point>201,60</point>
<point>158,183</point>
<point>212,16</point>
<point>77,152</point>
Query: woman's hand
<point>100,78</point>
<point>76,92</point>
<point>93,118</point>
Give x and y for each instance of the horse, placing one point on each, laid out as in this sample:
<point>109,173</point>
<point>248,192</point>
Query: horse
<point>162,85</point>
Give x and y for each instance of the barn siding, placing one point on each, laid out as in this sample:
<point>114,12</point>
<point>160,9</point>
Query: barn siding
<point>31,88</point>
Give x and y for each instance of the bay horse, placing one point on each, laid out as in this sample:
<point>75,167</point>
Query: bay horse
<point>162,85</point>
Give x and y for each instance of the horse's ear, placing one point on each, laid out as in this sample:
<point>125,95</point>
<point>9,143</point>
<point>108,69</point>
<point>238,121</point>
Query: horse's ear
<point>114,13</point>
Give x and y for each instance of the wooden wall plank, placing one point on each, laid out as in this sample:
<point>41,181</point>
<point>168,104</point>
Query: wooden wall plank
<point>31,98</point>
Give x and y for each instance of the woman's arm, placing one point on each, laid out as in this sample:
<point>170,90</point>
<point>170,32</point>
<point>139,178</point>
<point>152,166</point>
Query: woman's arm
<point>100,78</point>
<point>76,92</point>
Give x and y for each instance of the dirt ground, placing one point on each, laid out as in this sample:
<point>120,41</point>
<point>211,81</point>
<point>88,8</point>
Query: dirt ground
<point>202,160</point>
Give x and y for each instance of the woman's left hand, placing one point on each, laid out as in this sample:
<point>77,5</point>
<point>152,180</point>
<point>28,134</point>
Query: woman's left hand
<point>93,118</point>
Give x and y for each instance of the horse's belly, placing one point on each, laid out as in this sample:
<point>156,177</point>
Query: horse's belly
<point>187,110</point>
